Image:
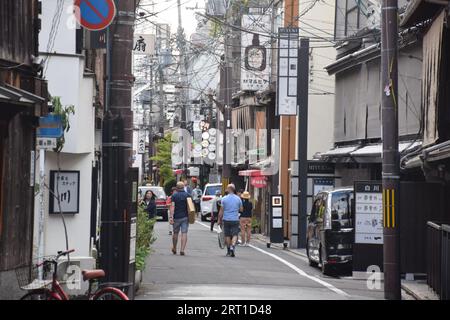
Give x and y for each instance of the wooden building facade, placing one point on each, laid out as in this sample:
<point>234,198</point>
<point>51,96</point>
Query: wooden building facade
<point>23,98</point>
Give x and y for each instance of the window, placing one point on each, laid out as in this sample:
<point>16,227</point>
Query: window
<point>350,17</point>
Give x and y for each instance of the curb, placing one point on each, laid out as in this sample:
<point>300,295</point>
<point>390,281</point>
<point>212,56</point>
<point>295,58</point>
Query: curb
<point>411,293</point>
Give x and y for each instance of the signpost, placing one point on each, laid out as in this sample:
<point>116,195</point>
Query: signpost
<point>276,234</point>
<point>50,128</point>
<point>368,224</point>
<point>95,15</point>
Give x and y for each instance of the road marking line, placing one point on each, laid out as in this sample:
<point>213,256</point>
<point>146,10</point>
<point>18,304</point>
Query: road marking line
<point>301,272</point>
<point>293,267</point>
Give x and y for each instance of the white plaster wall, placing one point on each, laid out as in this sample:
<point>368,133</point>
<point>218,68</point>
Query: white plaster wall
<point>66,79</point>
<point>318,22</point>
<point>65,35</point>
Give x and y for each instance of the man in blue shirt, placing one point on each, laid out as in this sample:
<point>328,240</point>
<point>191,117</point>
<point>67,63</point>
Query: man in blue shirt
<point>231,204</point>
<point>179,217</point>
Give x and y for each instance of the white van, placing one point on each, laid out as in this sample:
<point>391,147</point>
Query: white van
<point>207,199</point>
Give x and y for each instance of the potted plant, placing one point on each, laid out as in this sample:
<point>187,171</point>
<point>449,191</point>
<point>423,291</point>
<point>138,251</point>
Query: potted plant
<point>256,226</point>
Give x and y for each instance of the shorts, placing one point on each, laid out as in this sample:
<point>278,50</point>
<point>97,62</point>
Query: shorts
<point>182,224</point>
<point>231,228</point>
<point>245,222</point>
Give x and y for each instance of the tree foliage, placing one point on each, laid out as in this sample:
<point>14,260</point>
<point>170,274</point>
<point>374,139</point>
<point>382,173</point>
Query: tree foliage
<point>64,112</point>
<point>163,158</point>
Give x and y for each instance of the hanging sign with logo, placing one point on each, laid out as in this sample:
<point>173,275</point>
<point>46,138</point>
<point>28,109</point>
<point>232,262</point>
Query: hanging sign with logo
<point>141,141</point>
<point>95,15</point>
<point>255,43</point>
<point>258,182</point>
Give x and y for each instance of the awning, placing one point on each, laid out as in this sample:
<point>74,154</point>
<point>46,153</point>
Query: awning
<point>376,149</point>
<point>251,173</point>
<point>339,152</point>
<point>177,171</point>
<point>367,153</point>
<point>433,153</point>
<point>13,95</point>
<point>421,10</point>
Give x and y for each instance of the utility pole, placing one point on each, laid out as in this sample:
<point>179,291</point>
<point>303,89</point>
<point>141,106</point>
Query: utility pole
<point>181,44</point>
<point>390,161</point>
<point>302,139</point>
<point>117,149</point>
<point>226,88</point>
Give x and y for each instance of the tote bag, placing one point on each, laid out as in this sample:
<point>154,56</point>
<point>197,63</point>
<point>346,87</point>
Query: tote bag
<point>191,210</point>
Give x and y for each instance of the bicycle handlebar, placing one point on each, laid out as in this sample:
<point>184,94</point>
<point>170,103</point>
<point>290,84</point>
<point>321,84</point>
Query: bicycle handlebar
<point>64,253</point>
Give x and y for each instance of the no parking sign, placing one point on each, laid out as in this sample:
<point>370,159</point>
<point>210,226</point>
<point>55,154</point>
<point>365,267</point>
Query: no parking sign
<point>95,15</point>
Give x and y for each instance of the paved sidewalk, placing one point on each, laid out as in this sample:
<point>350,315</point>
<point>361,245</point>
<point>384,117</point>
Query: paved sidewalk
<point>419,290</point>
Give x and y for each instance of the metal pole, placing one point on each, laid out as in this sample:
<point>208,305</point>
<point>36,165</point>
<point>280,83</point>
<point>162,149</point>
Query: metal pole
<point>302,138</point>
<point>390,162</point>
<point>41,209</point>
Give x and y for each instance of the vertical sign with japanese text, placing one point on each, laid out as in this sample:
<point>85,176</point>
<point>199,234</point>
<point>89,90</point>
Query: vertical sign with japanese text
<point>287,71</point>
<point>368,212</point>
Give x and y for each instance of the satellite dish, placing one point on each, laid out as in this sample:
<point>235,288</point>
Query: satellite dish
<point>205,135</point>
<point>212,147</point>
<point>212,139</point>
<point>205,143</point>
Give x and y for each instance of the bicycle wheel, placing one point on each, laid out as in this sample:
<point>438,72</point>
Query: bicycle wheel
<point>110,293</point>
<point>39,294</point>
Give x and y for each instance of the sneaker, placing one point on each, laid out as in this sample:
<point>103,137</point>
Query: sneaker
<point>232,251</point>
<point>181,253</point>
<point>174,251</point>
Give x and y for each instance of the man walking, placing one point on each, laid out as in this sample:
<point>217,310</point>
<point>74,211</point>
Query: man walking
<point>215,209</point>
<point>231,204</point>
<point>179,217</point>
<point>196,197</point>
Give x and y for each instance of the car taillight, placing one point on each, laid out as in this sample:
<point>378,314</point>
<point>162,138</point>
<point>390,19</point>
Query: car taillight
<point>206,198</point>
<point>160,202</point>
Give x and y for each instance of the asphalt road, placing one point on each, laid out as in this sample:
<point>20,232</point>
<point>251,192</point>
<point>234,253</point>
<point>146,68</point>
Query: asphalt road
<point>257,272</point>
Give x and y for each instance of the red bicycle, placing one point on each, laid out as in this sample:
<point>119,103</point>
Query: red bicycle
<point>50,289</point>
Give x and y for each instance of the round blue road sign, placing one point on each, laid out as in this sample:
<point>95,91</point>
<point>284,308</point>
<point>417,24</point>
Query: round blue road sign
<point>95,14</point>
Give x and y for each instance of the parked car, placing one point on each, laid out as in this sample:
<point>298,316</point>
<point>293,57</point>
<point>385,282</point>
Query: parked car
<point>161,207</point>
<point>207,199</point>
<point>330,230</point>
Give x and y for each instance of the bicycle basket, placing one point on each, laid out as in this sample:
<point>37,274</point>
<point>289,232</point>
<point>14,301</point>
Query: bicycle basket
<point>28,276</point>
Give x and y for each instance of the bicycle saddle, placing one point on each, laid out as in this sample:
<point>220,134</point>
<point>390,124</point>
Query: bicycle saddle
<point>92,274</point>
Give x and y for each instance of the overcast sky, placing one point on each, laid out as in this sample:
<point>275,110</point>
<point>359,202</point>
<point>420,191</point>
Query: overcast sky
<point>168,13</point>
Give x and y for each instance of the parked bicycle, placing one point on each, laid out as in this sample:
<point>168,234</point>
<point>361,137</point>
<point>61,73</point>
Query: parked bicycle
<point>34,280</point>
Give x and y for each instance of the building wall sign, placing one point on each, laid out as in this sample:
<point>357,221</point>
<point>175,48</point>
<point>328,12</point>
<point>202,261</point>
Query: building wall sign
<point>255,64</point>
<point>66,185</point>
<point>144,44</point>
<point>287,71</point>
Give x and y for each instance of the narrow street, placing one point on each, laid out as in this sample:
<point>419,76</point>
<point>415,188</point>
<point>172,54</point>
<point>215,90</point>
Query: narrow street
<point>256,273</point>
